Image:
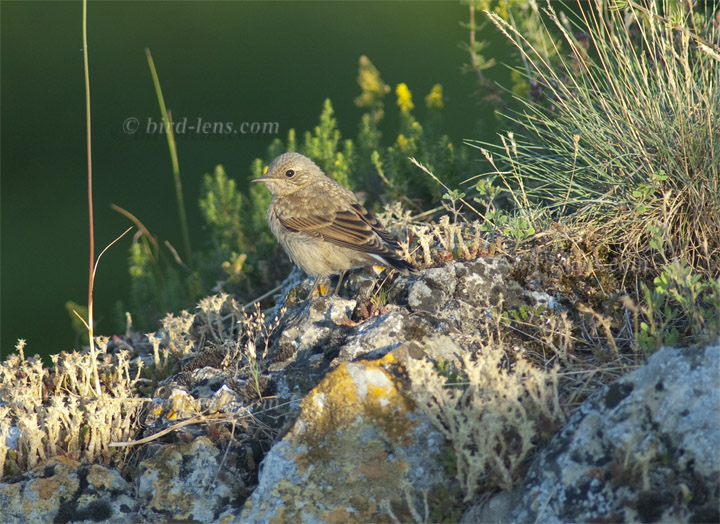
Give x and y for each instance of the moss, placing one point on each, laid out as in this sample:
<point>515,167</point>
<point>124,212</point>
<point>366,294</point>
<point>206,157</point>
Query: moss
<point>445,504</point>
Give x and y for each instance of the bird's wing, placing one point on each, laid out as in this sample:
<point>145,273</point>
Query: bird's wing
<point>354,227</point>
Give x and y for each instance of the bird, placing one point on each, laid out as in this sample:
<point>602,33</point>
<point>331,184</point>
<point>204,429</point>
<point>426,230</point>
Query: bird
<point>321,225</point>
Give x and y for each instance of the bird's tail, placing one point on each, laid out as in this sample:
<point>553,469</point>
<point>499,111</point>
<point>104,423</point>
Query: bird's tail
<point>397,263</point>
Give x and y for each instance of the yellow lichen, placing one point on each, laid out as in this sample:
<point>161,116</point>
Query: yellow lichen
<point>341,402</point>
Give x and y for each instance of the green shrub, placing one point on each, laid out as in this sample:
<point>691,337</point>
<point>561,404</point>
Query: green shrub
<point>680,308</point>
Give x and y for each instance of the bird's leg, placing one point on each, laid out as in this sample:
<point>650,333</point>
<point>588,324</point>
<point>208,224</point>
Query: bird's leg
<point>340,279</point>
<point>315,285</point>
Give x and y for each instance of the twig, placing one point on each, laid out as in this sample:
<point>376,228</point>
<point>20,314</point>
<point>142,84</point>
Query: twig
<point>197,419</point>
<point>137,222</point>
<point>261,297</point>
<point>177,257</point>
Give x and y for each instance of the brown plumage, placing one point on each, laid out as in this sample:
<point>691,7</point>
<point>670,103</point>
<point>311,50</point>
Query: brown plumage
<point>321,225</point>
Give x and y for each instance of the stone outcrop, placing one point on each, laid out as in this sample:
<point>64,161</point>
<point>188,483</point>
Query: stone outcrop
<point>644,449</point>
<point>339,436</point>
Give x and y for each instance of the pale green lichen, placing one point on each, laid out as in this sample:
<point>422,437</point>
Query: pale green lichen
<point>55,411</point>
<point>494,418</point>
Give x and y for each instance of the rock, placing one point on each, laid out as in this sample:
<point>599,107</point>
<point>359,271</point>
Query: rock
<point>358,448</point>
<point>63,490</point>
<point>644,449</point>
<point>188,481</point>
<point>340,435</point>
<point>498,509</point>
<point>309,339</point>
<point>376,337</point>
<point>429,294</point>
<point>455,297</point>
<point>325,331</point>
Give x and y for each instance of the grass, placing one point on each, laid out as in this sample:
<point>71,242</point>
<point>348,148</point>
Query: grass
<point>621,129</point>
<point>170,134</point>
<point>91,221</point>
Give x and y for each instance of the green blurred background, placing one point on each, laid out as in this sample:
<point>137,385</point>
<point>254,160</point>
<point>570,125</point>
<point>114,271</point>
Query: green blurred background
<point>218,61</point>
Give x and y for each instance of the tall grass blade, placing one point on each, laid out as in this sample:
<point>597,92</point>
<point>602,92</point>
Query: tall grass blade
<point>167,124</point>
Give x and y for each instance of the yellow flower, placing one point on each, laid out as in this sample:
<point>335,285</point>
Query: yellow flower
<point>402,142</point>
<point>373,87</point>
<point>434,100</point>
<point>234,267</point>
<point>404,97</point>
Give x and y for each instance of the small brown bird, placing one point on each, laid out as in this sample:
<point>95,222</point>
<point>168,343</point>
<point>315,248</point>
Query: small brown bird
<point>321,225</point>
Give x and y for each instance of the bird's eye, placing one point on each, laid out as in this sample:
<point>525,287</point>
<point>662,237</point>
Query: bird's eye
<point>290,173</point>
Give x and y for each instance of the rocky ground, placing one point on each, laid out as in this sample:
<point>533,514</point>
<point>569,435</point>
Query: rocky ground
<point>411,399</point>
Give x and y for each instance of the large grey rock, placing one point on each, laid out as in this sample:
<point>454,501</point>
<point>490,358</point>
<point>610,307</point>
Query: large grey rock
<point>358,451</point>
<point>644,449</point>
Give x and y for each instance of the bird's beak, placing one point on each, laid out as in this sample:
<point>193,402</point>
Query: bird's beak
<point>262,178</point>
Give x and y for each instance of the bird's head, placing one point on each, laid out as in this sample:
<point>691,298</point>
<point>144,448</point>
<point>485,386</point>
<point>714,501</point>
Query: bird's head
<point>289,173</point>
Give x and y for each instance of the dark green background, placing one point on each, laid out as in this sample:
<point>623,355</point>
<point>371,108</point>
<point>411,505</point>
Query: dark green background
<point>220,61</point>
